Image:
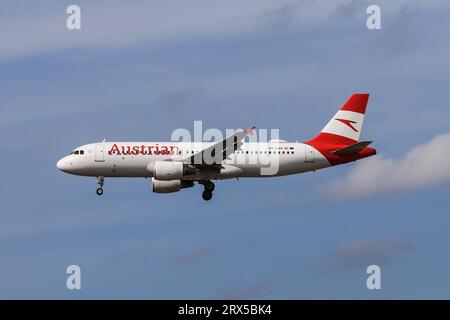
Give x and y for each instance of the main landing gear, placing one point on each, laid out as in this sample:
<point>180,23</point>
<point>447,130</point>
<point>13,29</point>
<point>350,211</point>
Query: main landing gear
<point>101,181</point>
<point>209,188</point>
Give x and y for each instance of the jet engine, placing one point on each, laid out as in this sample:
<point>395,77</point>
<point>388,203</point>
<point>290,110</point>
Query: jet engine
<point>168,186</point>
<point>169,170</point>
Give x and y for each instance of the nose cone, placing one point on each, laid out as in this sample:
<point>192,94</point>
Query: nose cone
<point>60,164</point>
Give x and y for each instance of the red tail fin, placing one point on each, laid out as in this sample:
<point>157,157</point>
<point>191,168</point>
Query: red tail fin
<point>343,130</point>
<point>345,127</point>
<point>356,103</point>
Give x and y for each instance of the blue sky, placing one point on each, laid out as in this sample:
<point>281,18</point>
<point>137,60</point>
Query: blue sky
<point>139,70</point>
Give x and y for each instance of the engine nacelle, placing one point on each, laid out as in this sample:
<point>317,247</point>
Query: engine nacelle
<point>169,170</point>
<point>166,170</point>
<point>168,186</point>
<point>163,186</point>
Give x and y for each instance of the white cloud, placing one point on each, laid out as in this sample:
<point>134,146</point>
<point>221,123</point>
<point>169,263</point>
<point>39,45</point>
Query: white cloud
<point>359,254</point>
<point>426,165</point>
<point>120,25</point>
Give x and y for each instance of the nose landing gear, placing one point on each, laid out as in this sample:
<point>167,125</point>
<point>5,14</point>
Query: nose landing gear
<point>209,188</point>
<point>101,181</point>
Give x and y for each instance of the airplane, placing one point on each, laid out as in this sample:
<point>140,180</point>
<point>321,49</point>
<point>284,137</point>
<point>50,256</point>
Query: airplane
<point>173,166</point>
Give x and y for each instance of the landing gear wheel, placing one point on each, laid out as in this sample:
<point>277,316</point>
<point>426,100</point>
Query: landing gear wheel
<point>100,182</point>
<point>209,186</point>
<point>207,195</point>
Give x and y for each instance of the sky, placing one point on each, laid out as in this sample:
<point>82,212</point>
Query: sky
<point>137,70</point>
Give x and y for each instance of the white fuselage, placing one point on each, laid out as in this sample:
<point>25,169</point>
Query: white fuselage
<point>132,159</point>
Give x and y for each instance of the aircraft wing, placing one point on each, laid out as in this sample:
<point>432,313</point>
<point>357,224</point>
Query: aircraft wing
<point>216,153</point>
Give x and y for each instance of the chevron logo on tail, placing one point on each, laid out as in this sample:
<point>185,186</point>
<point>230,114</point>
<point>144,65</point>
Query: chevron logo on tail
<point>348,123</point>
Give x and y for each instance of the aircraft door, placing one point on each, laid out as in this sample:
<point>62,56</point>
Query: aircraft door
<point>100,152</point>
<point>309,154</point>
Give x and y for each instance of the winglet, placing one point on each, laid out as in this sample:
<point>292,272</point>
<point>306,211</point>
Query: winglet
<point>250,130</point>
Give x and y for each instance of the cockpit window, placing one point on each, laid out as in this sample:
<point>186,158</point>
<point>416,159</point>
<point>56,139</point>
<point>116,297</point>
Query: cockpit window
<point>77,152</point>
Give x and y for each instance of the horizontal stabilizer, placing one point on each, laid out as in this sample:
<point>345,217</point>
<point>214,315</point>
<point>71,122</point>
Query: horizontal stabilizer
<point>354,148</point>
